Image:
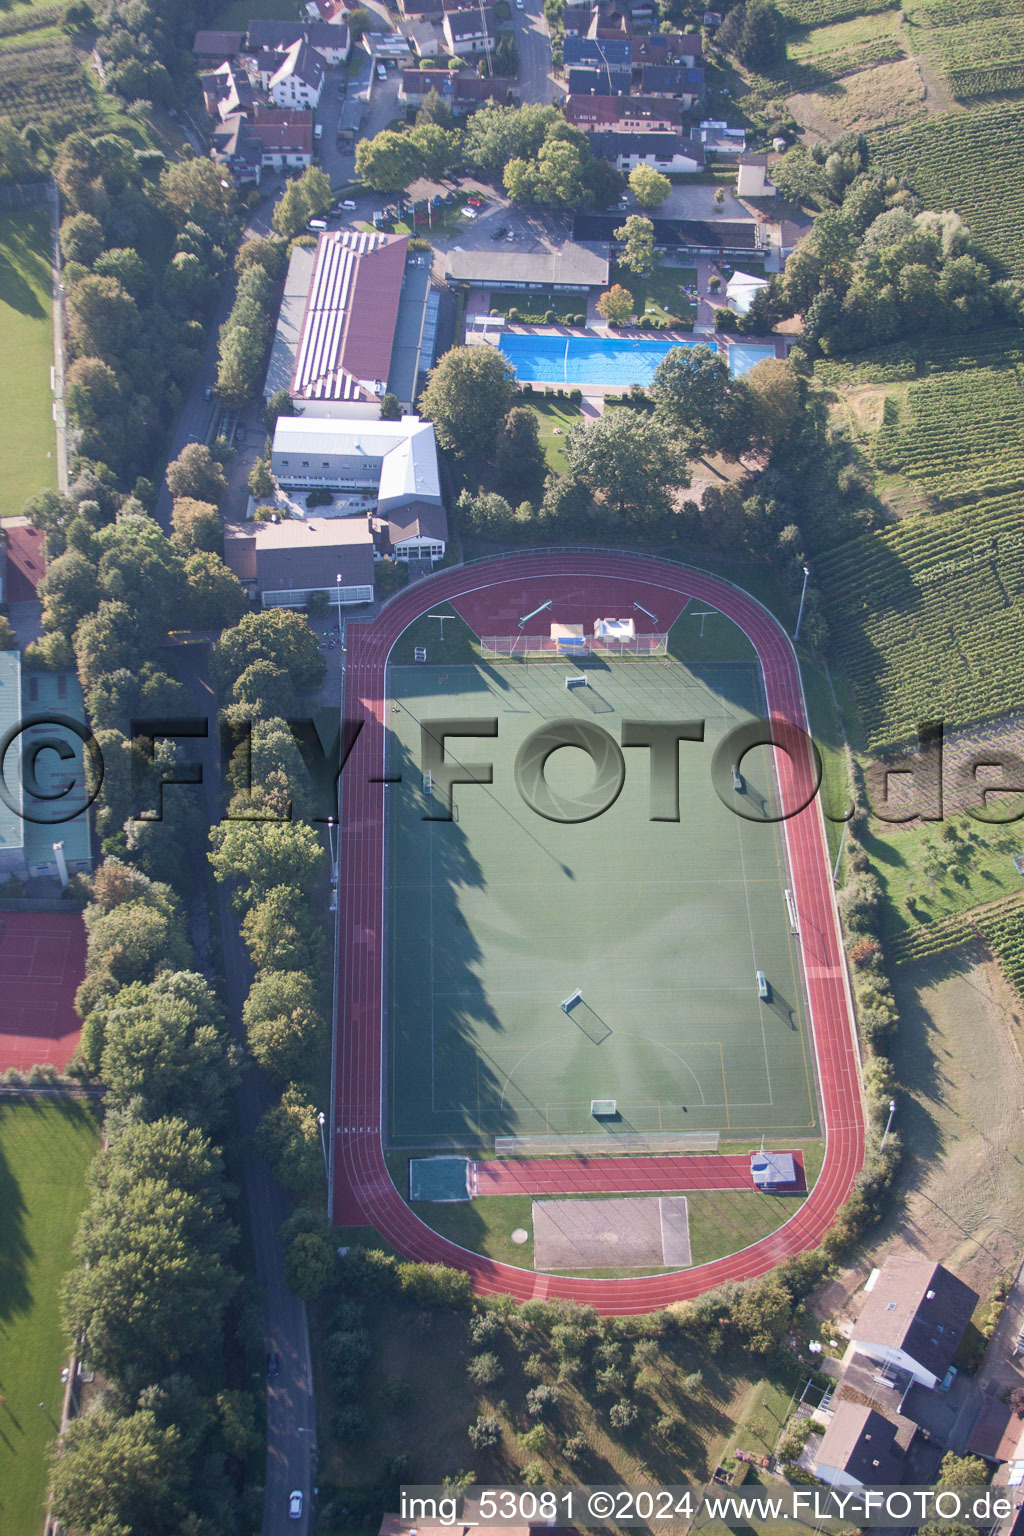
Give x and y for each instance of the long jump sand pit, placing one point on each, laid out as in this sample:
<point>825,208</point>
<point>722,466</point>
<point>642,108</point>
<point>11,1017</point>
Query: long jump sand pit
<point>611,1234</point>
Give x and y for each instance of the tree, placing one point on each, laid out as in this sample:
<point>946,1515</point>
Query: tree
<point>390,161</point>
<point>136,941</point>
<point>468,395</point>
<point>166,1048</point>
<point>81,238</point>
<point>390,408</point>
<point>196,191</point>
<point>360,21</point>
<point>262,855</point>
<point>196,525</point>
<point>283,1025</point>
<point>439,149</point>
<point>309,1263</point>
<point>129,269</point>
<point>623,1414</point>
<point>617,304</point>
<point>696,399</point>
<point>307,197</point>
<point>262,251</point>
<point>288,1138</point>
<point>506,56</point>
<point>114,636</point>
<point>103,320</point>
<point>214,596</point>
<point>484,1369</point>
<point>276,635</point>
<point>69,590</point>
<point>777,396</point>
<point>753,32</point>
<point>962,1471</point>
<point>648,186</point>
<point>495,135</point>
<point>519,458</point>
<point>637,237</point>
<point>140,567</point>
<point>280,932</point>
<point>434,109</point>
<point>763,1313</point>
<point>484,1432</point>
<point>261,481</point>
<point>630,460</point>
<point>196,474</point>
<point>124,1474</point>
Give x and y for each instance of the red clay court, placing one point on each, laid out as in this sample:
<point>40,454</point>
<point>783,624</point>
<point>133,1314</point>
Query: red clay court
<point>42,963</point>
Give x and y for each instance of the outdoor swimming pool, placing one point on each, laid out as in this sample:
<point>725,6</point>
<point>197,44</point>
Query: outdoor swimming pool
<point>606,360</point>
<point>742,359</point>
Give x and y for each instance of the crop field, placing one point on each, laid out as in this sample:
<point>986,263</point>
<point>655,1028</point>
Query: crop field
<point>985,455</point>
<point>978,45</point>
<point>969,161</point>
<point>818,70</point>
<point>865,101</point>
<point>43,83</point>
<point>817,13</point>
<point>929,618</point>
<point>923,359</point>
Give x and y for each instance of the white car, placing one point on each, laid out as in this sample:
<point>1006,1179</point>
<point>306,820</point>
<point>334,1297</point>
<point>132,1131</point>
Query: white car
<point>295,1505</point>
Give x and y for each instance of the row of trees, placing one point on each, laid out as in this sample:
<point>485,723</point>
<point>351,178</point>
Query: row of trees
<point>148,1299</point>
<point>539,157</point>
<point>144,245</point>
<point>274,860</point>
<point>245,334</point>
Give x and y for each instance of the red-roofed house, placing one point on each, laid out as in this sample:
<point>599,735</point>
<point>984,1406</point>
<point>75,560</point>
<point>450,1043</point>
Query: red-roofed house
<point>332,12</point>
<point>626,114</point>
<point>344,352</point>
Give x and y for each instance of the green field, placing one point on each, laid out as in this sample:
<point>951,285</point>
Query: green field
<point>660,296</point>
<point>45,1149</point>
<point>500,914</point>
<point>27,439</point>
<point>556,419</point>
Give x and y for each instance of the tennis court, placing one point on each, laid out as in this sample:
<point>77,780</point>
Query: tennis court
<point>499,915</point>
<point>42,963</point>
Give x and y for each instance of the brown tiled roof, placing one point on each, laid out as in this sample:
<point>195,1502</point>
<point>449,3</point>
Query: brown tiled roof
<point>223,45</point>
<point>859,1441</point>
<point>26,562</point>
<point>917,1306</point>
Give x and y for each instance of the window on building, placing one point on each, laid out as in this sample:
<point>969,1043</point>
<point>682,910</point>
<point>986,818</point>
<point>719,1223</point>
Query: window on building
<point>33,688</point>
<point>305,463</point>
<point>325,463</point>
<point>62,685</point>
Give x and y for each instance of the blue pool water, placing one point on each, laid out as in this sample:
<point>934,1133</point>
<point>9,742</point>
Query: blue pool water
<point>742,359</point>
<point>590,359</point>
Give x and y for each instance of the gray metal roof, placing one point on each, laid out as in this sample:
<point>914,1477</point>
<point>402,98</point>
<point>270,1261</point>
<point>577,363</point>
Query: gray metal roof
<point>572,263</point>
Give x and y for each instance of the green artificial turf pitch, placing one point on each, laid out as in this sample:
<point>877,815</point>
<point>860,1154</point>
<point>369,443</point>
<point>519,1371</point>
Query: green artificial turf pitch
<point>499,914</point>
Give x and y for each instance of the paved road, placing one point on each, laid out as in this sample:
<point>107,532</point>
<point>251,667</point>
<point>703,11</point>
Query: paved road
<point>537,82</point>
<point>291,1407</point>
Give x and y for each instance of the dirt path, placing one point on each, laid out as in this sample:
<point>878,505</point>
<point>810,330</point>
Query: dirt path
<point>960,1114</point>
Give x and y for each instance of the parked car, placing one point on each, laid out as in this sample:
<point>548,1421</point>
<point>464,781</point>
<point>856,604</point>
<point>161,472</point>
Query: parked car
<point>273,1365</point>
<point>295,1505</point>
<point>475,202</point>
<point>240,433</point>
<point>208,392</point>
<point>347,205</point>
<point>315,225</point>
<point>500,232</point>
<point>511,235</point>
<point>382,73</point>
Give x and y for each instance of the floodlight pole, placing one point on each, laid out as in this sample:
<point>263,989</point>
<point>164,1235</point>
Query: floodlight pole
<point>320,1119</point>
<point>532,615</point>
<point>839,854</point>
<point>888,1124</point>
<point>803,599</point>
<point>341,636</point>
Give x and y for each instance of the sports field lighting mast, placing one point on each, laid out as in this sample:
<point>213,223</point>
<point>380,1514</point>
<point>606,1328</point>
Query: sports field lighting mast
<point>888,1123</point>
<point>320,1120</point>
<point>341,633</point>
<point>803,599</point>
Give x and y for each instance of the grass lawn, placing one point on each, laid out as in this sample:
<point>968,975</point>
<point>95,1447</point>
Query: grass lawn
<point>562,414</point>
<point>45,1148</point>
<point>27,440</point>
<point>941,877</point>
<point>660,296</point>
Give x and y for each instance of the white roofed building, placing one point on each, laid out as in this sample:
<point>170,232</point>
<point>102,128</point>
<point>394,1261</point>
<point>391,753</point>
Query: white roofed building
<point>395,459</point>
<point>741,289</point>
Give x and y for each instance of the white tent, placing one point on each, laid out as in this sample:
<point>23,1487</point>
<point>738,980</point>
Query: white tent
<point>740,291</point>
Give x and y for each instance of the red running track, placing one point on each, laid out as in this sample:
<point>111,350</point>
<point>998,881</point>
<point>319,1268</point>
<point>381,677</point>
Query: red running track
<point>617,1175</point>
<point>363,1191</point>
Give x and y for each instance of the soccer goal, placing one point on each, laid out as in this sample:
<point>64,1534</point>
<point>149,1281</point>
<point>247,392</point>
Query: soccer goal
<point>577,682</point>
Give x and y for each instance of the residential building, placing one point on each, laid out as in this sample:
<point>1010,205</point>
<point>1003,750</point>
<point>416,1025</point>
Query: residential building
<point>722,139</point>
<point>299,79</point>
<point>388,48</point>
<point>420,8</point>
<point>423,35</point>
<point>625,114</point>
<point>394,461</point>
<point>584,80</point>
<point>752,176</point>
<point>666,152</point>
<point>573,268</point>
<point>227,90</point>
<point>913,1319</point>
<point>330,40</point>
<point>614,53</point>
<point>284,563</point>
<point>267,140</point>
<point>859,1448</point>
<point>576,18</point>
<point>333,13</point>
<point>460,92</point>
<point>215,47</point>
<point>470,31</point>
<point>681,82</point>
<point>669,48</point>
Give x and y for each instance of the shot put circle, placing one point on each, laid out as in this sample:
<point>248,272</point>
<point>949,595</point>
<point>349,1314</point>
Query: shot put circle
<point>603,751</point>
